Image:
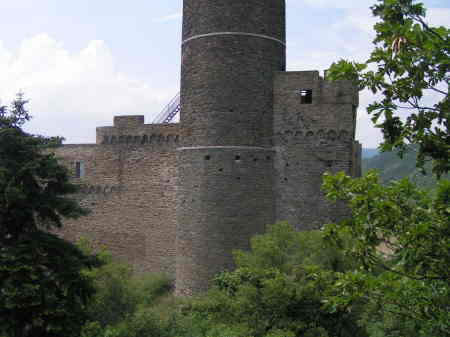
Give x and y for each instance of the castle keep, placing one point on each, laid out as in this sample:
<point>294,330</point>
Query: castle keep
<point>250,149</point>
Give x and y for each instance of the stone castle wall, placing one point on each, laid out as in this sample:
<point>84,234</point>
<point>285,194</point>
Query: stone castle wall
<point>130,186</point>
<point>251,147</point>
<point>310,138</point>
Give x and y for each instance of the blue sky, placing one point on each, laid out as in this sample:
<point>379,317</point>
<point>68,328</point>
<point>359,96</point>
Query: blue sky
<point>82,62</point>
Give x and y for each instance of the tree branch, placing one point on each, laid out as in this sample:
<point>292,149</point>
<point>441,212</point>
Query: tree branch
<point>425,25</point>
<point>439,91</point>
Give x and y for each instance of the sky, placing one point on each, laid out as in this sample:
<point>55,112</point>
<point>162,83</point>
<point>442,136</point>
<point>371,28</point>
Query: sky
<point>82,62</point>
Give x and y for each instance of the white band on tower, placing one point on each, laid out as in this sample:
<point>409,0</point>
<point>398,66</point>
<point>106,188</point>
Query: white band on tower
<point>234,33</point>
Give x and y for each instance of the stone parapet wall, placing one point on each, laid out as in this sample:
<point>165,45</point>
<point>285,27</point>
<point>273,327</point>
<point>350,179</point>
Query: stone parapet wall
<point>131,130</point>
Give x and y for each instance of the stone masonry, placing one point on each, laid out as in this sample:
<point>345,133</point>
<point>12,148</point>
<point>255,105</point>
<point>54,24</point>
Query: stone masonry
<point>251,147</point>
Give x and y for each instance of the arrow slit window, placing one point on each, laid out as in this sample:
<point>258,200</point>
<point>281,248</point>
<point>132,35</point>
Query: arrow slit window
<point>79,169</point>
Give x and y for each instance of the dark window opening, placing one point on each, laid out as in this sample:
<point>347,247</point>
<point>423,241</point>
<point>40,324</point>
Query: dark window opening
<point>305,96</point>
<point>79,169</point>
<point>237,158</point>
<point>207,157</point>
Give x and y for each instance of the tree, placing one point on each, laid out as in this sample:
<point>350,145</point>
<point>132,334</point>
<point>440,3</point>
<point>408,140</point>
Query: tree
<point>34,186</point>
<point>43,290</point>
<point>277,289</point>
<point>401,236</point>
<point>409,68</point>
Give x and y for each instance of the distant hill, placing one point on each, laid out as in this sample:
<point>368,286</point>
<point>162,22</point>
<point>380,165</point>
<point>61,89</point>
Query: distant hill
<point>369,153</point>
<point>392,167</point>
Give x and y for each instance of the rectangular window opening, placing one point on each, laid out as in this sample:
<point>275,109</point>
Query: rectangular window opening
<point>305,96</point>
<point>79,169</point>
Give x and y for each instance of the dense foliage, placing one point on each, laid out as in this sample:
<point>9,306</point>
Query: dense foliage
<point>409,68</point>
<point>34,186</point>
<point>127,304</point>
<point>278,289</point>
<point>401,234</point>
<point>43,291</point>
<point>401,237</point>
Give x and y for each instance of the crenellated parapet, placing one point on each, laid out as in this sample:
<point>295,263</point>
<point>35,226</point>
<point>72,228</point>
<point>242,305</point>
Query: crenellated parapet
<point>151,138</point>
<point>319,137</point>
<point>131,130</point>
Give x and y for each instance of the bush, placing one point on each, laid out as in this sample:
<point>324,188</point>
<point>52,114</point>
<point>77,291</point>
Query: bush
<point>125,303</point>
<point>278,289</point>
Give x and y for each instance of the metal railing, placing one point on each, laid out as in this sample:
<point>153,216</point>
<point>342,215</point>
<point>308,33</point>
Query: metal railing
<point>169,112</point>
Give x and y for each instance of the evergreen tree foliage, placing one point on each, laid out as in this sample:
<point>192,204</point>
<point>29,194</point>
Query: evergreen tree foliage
<point>43,290</point>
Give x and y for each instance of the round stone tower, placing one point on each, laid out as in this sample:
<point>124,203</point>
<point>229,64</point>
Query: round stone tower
<point>230,51</point>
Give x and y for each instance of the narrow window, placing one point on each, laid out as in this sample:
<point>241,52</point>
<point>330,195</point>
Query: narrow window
<point>305,96</point>
<point>79,169</point>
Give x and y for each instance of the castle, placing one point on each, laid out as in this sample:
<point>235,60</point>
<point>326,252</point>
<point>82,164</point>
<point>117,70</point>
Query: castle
<point>250,149</point>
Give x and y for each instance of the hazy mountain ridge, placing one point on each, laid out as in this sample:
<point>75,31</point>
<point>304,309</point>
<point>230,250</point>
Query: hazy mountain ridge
<point>369,153</point>
<point>392,167</point>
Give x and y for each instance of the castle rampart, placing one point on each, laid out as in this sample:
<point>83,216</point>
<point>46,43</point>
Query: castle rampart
<point>129,184</point>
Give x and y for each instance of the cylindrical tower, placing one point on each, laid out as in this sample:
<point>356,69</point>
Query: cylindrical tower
<point>230,51</point>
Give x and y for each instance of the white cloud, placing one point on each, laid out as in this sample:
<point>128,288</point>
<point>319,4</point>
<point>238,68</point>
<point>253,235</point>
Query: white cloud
<point>72,93</point>
<point>16,4</point>
<point>438,16</point>
<point>360,19</point>
<point>314,60</point>
<point>170,17</point>
<point>343,4</point>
